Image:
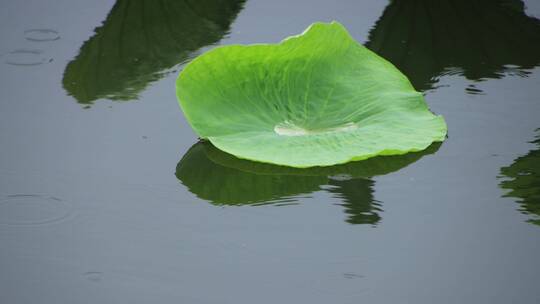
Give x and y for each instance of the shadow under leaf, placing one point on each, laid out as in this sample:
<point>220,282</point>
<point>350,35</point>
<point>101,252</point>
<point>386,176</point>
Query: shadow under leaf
<point>222,179</point>
<point>140,41</point>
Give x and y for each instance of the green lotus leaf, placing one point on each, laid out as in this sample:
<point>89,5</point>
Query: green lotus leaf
<point>315,99</point>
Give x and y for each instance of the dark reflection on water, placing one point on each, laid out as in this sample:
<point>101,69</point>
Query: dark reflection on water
<point>356,197</point>
<point>474,38</point>
<point>140,40</point>
<point>524,182</point>
<point>223,179</point>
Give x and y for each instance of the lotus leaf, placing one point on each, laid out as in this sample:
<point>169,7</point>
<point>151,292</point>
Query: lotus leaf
<point>316,99</point>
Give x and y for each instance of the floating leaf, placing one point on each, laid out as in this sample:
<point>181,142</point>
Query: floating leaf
<point>315,99</point>
<point>223,179</point>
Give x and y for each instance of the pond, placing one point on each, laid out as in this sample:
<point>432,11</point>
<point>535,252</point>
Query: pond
<point>107,195</point>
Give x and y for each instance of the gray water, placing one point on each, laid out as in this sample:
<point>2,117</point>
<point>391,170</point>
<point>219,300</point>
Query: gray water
<point>106,196</point>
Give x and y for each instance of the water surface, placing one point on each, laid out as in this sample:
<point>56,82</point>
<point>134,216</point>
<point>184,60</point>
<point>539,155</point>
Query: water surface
<point>106,195</point>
